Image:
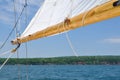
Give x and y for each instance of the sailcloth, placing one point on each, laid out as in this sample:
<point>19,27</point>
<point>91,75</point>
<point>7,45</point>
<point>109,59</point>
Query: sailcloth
<point>54,12</point>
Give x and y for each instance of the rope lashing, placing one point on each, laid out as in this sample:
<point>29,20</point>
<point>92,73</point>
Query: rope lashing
<point>66,23</point>
<point>15,49</point>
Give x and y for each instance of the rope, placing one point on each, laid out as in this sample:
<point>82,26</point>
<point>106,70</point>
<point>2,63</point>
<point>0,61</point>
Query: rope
<point>15,16</point>
<point>18,65</point>
<point>26,44</point>
<point>69,42</point>
<point>26,61</point>
<point>4,53</point>
<point>83,18</point>
<point>16,49</point>
<point>67,36</point>
<point>13,28</point>
<point>6,61</point>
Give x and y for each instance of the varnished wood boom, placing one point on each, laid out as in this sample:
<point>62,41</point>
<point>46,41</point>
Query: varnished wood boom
<point>97,14</point>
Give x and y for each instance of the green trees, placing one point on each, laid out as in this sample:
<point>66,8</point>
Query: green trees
<point>65,60</point>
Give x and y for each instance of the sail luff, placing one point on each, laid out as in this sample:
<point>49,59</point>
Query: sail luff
<point>99,13</point>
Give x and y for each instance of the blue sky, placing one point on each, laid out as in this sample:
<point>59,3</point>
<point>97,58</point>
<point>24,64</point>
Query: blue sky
<point>102,38</point>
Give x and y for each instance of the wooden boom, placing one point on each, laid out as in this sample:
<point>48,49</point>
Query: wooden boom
<point>99,13</point>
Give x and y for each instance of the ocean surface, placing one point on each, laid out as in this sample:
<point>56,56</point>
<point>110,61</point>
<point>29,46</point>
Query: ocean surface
<point>60,72</point>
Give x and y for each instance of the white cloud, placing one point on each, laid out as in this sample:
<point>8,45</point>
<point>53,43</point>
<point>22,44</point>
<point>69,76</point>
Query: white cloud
<point>112,40</point>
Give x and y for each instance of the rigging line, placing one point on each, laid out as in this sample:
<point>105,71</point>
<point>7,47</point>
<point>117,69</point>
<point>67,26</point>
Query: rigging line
<point>15,14</point>
<point>4,53</point>
<point>13,28</point>
<point>18,65</point>
<point>6,60</point>
<point>84,16</point>
<point>26,47</point>
<point>69,41</point>
<point>17,35</point>
<point>66,34</point>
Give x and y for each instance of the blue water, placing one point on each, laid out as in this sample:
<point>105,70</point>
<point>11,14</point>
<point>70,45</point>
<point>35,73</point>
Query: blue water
<point>62,72</point>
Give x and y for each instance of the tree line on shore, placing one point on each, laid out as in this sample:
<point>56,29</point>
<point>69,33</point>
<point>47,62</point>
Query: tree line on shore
<point>72,60</point>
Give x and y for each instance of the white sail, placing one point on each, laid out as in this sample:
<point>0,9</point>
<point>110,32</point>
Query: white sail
<point>52,16</point>
<point>55,11</point>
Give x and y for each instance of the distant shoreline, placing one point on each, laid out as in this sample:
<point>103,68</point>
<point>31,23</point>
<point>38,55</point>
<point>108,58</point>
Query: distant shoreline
<point>72,60</point>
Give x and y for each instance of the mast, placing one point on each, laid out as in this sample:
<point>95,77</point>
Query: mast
<point>99,13</point>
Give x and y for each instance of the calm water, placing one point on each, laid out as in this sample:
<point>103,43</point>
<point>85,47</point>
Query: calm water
<point>62,72</point>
